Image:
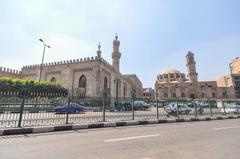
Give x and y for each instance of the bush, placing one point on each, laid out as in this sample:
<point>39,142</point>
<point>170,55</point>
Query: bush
<point>21,87</point>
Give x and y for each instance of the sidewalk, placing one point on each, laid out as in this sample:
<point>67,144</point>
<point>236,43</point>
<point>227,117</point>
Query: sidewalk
<point>44,129</point>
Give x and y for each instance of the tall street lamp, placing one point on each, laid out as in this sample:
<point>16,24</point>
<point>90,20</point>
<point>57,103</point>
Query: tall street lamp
<point>41,66</point>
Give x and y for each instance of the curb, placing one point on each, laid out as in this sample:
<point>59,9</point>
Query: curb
<point>44,129</point>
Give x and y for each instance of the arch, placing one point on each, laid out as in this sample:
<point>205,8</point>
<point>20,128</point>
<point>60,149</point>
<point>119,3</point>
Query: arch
<point>53,79</point>
<point>82,81</point>
<point>105,87</point>
<point>82,84</point>
<point>124,90</point>
<point>117,83</point>
<point>105,84</point>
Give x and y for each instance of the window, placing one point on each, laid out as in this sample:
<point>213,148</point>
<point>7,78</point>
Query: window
<point>125,91</point>
<point>105,86</point>
<point>174,95</point>
<point>165,95</point>
<point>213,95</point>
<point>82,84</point>
<point>82,81</point>
<point>183,95</point>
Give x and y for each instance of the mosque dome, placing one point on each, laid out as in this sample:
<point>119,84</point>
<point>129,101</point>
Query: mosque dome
<point>171,75</point>
<point>170,70</point>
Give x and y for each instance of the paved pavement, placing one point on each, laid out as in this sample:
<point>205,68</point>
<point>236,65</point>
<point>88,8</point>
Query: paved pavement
<point>197,140</point>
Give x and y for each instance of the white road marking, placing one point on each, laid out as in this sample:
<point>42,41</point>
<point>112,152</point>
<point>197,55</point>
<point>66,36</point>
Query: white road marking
<point>131,138</point>
<point>225,128</point>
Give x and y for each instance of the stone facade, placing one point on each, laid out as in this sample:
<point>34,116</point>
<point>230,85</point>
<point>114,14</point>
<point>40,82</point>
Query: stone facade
<point>148,94</point>
<point>235,66</point>
<point>171,83</point>
<point>88,77</point>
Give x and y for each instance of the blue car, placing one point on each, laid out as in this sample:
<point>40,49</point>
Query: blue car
<point>72,108</point>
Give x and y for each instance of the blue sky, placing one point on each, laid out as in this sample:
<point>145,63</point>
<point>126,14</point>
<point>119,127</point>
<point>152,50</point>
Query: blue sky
<point>154,34</point>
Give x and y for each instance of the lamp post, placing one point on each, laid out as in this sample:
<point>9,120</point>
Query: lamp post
<point>41,66</point>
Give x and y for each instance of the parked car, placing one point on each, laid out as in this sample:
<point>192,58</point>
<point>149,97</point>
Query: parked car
<point>231,109</point>
<point>182,108</point>
<point>141,105</point>
<point>72,108</point>
<point>123,106</point>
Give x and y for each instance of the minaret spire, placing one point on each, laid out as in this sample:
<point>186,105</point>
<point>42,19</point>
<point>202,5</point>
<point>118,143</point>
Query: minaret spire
<point>99,52</point>
<point>116,55</point>
<point>191,65</point>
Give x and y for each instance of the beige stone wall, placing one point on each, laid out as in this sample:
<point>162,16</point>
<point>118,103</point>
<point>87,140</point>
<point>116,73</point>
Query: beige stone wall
<point>201,90</point>
<point>136,84</point>
<point>236,66</point>
<point>224,81</point>
<point>228,90</point>
<point>6,72</point>
<point>68,73</point>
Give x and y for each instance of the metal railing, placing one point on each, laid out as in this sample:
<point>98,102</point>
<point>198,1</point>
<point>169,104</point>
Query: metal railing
<point>27,112</point>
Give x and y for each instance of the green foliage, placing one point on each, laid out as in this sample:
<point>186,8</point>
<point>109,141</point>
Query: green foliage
<point>21,87</point>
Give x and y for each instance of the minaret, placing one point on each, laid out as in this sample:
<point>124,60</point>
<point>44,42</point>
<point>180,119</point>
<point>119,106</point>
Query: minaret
<point>99,52</point>
<point>191,66</point>
<point>116,55</point>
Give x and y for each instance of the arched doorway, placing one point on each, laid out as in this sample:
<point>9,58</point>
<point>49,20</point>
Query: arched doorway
<point>105,87</point>
<point>82,84</point>
<point>124,90</point>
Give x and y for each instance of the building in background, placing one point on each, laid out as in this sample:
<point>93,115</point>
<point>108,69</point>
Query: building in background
<point>88,77</point>
<point>235,75</point>
<point>148,94</point>
<point>172,83</point>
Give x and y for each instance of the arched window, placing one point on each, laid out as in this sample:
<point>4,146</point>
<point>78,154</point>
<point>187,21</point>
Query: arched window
<point>82,81</point>
<point>82,84</point>
<point>53,80</point>
<point>105,86</point>
<point>124,90</point>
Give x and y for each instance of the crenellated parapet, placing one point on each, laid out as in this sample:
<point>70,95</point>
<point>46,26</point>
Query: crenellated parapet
<point>4,70</point>
<point>66,62</point>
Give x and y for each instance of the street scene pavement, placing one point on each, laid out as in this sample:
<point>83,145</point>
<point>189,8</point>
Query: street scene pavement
<point>198,140</point>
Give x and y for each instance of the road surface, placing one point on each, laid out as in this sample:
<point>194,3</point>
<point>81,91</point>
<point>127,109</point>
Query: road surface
<point>193,140</point>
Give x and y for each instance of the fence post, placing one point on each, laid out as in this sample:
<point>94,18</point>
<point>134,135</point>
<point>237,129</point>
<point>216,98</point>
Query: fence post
<point>210,107</point>
<point>177,110</point>
<point>21,112</point>
<point>132,108</point>
<point>67,117</point>
<point>224,108</point>
<point>104,110</point>
<point>195,108</point>
<point>157,110</point>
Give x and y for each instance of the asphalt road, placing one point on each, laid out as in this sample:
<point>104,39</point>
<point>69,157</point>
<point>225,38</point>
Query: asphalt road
<point>195,140</point>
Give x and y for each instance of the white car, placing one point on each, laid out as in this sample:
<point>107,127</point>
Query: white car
<point>231,109</point>
<point>182,108</point>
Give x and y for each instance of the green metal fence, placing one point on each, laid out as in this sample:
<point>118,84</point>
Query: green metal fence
<point>26,112</point>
